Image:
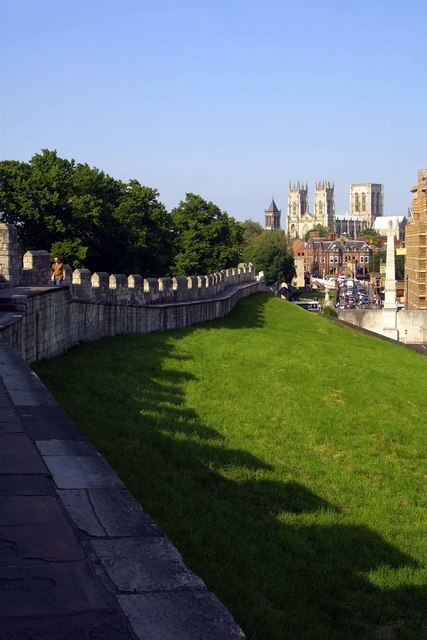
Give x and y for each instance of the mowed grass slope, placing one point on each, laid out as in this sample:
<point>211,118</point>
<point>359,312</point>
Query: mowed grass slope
<point>282,453</point>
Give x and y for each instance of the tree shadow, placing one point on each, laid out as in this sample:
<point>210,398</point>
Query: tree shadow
<point>294,579</point>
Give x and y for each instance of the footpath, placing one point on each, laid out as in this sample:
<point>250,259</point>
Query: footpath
<point>79,557</point>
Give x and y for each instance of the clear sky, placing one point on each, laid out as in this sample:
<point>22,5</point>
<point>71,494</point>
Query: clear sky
<point>228,99</point>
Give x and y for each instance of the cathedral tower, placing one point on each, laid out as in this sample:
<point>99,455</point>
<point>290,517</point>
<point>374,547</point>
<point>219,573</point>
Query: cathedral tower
<point>297,209</point>
<point>366,201</point>
<point>324,205</point>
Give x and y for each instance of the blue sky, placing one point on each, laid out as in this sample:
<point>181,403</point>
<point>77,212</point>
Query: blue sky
<point>228,99</point>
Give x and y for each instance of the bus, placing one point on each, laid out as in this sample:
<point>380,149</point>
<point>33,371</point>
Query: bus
<point>309,305</point>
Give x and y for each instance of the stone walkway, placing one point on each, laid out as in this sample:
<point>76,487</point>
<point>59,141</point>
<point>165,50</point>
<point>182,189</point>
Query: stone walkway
<point>79,558</point>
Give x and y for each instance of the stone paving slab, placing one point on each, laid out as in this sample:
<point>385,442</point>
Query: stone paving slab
<point>82,472</point>
<point>19,455</point>
<point>46,423</point>
<point>87,626</point>
<point>8,414</point>
<point>108,512</point>
<point>10,427</point>
<point>66,448</point>
<point>179,616</point>
<point>46,429</point>
<point>26,485</point>
<point>24,388</point>
<point>52,413</point>
<point>50,589</point>
<point>33,529</point>
<point>145,564</point>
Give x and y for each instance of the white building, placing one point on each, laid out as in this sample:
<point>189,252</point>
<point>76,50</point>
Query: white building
<point>398,225</point>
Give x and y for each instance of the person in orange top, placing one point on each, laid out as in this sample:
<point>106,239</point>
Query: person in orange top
<point>58,271</point>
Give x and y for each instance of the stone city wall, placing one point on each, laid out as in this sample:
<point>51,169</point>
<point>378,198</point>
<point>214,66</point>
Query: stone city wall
<point>402,325</point>
<point>47,323</point>
<point>137,290</point>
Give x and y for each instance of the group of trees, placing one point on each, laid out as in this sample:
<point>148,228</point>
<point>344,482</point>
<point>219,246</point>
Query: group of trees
<point>380,258</point>
<point>270,251</point>
<point>94,221</point>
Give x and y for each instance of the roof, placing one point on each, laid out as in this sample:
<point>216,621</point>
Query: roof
<point>381,222</point>
<point>272,208</point>
<point>340,245</point>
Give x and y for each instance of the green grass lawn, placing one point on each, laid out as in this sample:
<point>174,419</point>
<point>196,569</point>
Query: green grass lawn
<point>283,454</point>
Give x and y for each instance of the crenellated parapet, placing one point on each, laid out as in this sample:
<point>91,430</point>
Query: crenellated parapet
<point>34,269</point>
<point>137,290</point>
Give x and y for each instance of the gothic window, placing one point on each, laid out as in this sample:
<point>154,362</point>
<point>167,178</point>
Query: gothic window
<point>378,202</point>
<point>363,202</point>
<point>294,208</point>
<point>320,208</point>
<point>356,202</point>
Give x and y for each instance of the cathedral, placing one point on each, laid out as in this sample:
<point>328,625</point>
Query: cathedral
<point>366,204</point>
<point>300,220</point>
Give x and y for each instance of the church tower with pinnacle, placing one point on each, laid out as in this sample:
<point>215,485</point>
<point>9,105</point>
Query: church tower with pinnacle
<point>299,217</point>
<point>272,217</point>
<point>324,204</point>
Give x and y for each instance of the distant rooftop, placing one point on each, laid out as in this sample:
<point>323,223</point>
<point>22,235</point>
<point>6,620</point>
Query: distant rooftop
<point>272,208</point>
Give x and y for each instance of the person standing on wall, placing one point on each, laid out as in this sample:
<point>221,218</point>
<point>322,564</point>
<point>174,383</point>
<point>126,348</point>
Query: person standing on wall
<point>58,271</point>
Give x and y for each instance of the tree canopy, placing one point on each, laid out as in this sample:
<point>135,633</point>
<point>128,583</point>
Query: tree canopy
<point>372,236</point>
<point>320,229</point>
<point>206,239</point>
<point>85,216</point>
<point>251,230</point>
<point>380,257</point>
<point>92,220</point>
<point>270,252</point>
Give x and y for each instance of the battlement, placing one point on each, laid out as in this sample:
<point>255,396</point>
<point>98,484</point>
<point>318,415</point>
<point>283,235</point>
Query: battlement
<point>137,290</point>
<point>34,269</point>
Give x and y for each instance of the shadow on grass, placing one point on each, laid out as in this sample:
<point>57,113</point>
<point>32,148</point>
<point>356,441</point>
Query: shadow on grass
<point>249,316</point>
<point>253,540</point>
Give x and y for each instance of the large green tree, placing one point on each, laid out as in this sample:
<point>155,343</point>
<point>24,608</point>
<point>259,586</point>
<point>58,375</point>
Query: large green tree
<point>36,197</point>
<point>85,216</point>
<point>380,258</point>
<point>270,252</point>
<point>206,239</point>
<point>144,242</point>
<point>251,231</point>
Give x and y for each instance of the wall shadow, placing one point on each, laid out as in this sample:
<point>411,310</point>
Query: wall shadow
<point>287,578</point>
<point>248,313</point>
<point>294,579</point>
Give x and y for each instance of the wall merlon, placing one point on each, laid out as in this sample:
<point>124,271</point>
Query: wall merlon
<point>136,281</point>
<point>182,289</point>
<point>93,305</point>
<point>81,284</point>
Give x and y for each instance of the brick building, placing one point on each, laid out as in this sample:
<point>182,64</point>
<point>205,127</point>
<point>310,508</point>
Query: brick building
<point>416,246</point>
<point>331,255</point>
